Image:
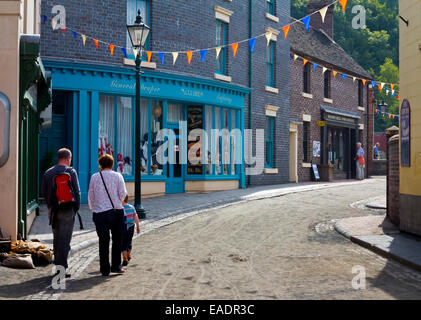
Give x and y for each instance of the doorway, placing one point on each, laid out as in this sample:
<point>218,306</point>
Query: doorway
<point>293,153</point>
<point>59,135</point>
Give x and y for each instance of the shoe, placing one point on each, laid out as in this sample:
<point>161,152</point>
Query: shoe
<point>68,275</point>
<point>125,263</point>
<point>120,271</point>
<point>128,259</point>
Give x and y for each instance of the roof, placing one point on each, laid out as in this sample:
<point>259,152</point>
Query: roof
<point>315,45</point>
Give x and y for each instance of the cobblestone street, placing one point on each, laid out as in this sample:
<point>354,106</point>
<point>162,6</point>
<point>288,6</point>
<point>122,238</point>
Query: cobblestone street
<point>277,248</point>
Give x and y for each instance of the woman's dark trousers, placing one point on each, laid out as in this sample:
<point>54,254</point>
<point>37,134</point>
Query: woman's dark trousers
<point>112,220</point>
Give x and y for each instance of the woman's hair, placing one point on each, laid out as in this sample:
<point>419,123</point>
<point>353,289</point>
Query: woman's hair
<point>126,198</point>
<point>106,161</point>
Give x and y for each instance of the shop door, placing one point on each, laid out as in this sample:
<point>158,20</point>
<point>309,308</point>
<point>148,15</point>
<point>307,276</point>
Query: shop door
<point>175,178</point>
<point>57,136</point>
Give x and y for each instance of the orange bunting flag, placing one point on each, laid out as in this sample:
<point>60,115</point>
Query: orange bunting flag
<point>286,30</point>
<point>111,49</point>
<point>96,42</point>
<point>304,61</point>
<point>335,73</point>
<point>234,48</point>
<point>364,81</point>
<point>189,55</point>
<point>149,54</point>
<point>343,4</point>
<point>380,87</point>
<point>392,86</point>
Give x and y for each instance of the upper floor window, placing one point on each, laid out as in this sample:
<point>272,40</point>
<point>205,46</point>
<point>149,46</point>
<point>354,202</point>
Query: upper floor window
<point>269,146</point>
<point>271,6</point>
<point>360,93</point>
<point>270,64</point>
<point>306,77</point>
<point>327,79</point>
<point>132,7</point>
<point>221,40</point>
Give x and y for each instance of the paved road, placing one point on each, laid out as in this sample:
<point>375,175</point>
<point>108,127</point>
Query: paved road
<point>279,248</point>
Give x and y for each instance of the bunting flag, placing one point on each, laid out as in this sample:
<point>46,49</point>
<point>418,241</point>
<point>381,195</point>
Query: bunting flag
<point>268,37</point>
<point>334,73</point>
<point>373,83</point>
<point>149,55</point>
<point>306,21</point>
<point>162,55</point>
<point>63,29</point>
<point>387,91</point>
<point>393,92</point>
<point>174,57</point>
<point>343,4</point>
<point>54,24</point>
<point>74,34</point>
<point>135,52</point>
<point>286,30</point>
<point>218,51</point>
<point>315,66</point>
<point>202,55</point>
<point>344,76</point>
<point>84,40</point>
<point>122,49</point>
<point>295,57</point>
<point>305,62</point>
<point>189,55</point>
<point>380,87</point>
<point>364,81</point>
<point>111,49</point>
<point>252,43</point>
<point>234,48</point>
<point>354,78</point>
<point>323,13</point>
<point>392,86</point>
<point>96,43</point>
<point>324,69</point>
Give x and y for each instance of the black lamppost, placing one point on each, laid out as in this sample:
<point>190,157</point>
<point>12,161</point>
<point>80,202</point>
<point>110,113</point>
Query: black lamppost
<point>138,34</point>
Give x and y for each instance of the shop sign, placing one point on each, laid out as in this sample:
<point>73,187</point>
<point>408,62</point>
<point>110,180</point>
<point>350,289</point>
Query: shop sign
<point>321,123</point>
<point>339,118</point>
<point>405,126</point>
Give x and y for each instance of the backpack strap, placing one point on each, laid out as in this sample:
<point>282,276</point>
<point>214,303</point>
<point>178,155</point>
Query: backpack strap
<point>100,173</point>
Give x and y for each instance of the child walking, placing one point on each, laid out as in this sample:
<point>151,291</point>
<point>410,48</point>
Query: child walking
<point>130,217</point>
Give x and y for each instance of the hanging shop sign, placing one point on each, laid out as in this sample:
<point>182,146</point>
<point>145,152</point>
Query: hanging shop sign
<point>405,126</point>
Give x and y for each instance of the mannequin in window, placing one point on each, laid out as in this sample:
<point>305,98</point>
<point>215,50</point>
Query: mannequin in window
<point>144,150</point>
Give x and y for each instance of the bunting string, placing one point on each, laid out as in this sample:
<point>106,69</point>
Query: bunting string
<point>389,87</point>
<point>388,115</point>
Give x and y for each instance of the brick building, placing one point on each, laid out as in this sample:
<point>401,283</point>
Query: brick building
<point>93,91</point>
<point>341,102</point>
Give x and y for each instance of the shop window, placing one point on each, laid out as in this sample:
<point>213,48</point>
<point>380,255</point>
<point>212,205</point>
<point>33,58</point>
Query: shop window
<point>270,6</point>
<point>306,141</point>
<point>156,161</point>
<point>360,93</point>
<point>209,125</point>
<point>144,136</point>
<point>124,136</point>
<point>218,142</point>
<point>270,64</point>
<point>106,143</point>
<point>233,141</point>
<point>327,79</point>
<point>306,78</point>
<point>221,40</point>
<point>174,112</point>
<point>132,7</point>
<point>269,154</point>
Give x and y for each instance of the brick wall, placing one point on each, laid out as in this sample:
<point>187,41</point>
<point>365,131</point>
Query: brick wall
<point>393,179</point>
<point>344,94</point>
<point>183,25</point>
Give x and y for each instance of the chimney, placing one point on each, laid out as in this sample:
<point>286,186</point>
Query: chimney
<point>316,19</point>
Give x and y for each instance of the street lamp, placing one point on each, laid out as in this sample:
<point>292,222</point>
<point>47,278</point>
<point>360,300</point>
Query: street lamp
<point>138,33</point>
<point>383,107</point>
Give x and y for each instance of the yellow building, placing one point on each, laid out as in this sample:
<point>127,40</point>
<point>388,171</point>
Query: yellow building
<point>24,92</point>
<point>410,97</point>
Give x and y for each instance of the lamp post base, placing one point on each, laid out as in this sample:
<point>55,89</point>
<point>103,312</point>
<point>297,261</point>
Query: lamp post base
<point>141,212</point>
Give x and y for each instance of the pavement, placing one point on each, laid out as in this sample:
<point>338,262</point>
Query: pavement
<point>379,234</point>
<point>170,208</point>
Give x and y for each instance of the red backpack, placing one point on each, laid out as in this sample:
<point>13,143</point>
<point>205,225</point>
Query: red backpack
<point>63,187</point>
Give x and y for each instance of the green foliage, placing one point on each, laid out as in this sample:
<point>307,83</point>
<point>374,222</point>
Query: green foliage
<point>375,48</point>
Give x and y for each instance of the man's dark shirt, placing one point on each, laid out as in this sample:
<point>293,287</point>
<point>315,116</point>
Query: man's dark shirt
<point>47,186</point>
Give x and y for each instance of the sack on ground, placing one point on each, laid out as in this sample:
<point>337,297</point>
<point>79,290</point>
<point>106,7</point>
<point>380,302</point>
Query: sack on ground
<point>20,261</point>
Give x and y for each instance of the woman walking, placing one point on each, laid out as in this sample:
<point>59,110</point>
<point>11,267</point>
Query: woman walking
<point>106,192</point>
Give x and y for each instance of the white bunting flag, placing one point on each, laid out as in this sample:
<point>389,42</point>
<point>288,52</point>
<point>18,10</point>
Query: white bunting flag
<point>323,13</point>
<point>382,85</point>
<point>324,69</point>
<point>84,39</point>
<point>268,37</point>
<point>354,78</point>
<point>135,52</point>
<point>393,92</point>
<point>218,51</point>
<point>174,57</point>
<point>295,57</point>
<point>54,24</point>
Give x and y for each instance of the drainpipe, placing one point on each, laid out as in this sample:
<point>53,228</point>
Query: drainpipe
<point>5,103</point>
<point>250,72</point>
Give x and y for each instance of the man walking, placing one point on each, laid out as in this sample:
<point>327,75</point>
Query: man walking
<point>60,188</point>
<point>360,162</point>
<point>376,151</point>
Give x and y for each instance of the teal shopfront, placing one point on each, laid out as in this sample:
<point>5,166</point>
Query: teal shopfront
<point>93,114</point>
